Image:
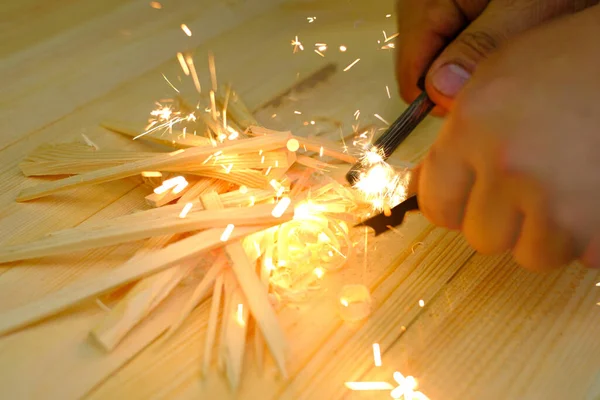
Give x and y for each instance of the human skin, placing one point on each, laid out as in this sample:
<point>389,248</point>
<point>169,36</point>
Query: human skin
<point>516,164</point>
<point>428,26</point>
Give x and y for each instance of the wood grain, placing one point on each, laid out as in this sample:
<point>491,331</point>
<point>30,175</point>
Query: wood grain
<point>488,330</point>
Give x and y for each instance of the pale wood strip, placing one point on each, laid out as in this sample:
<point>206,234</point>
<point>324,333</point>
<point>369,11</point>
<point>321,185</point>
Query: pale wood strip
<point>130,271</point>
<point>272,142</point>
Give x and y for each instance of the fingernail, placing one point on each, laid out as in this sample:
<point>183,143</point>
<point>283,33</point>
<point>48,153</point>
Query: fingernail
<point>449,79</point>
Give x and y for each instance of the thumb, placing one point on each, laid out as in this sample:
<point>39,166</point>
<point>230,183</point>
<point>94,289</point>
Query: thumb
<point>455,65</point>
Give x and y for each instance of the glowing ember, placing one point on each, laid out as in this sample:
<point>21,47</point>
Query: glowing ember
<point>352,64</point>
<point>227,232</point>
<point>156,5</point>
<point>343,48</point>
<point>421,303</point>
<point>186,30</point>
<point>243,189</point>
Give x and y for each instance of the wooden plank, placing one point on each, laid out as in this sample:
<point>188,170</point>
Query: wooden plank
<point>158,162</point>
<point>137,48</point>
<point>134,269</point>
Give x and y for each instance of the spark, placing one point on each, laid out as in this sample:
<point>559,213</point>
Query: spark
<point>170,84</point>
<point>394,36</point>
<point>186,210</point>
<point>373,156</point>
<point>421,303</point>
<point>293,145</point>
<point>89,142</point>
<point>297,112</point>
<point>151,174</point>
<point>356,114</point>
<point>311,19</point>
<point>183,64</point>
<point>240,315</point>
<point>156,5</point>
<point>376,354</point>
<point>280,207</point>
<point>319,272</point>
<point>262,160</point>
<point>384,36</point>
<point>343,48</point>
<point>321,151</point>
<point>406,388</point>
<point>170,184</point>
<point>388,46</point>
<point>233,136</point>
<point>243,189</point>
<point>268,170</point>
<point>387,89</point>
<point>351,65</point>
<point>273,116</point>
<point>321,46</point>
<point>180,186</point>
<point>369,386</point>
<point>185,29</point>
<point>227,233</point>
<point>379,117</point>
<point>344,302</point>
<point>388,15</point>
<point>190,62</point>
<point>297,45</point>
<point>312,122</point>
<point>319,53</point>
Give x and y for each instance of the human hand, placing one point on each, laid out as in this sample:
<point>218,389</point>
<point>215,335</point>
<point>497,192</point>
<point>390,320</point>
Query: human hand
<point>426,26</point>
<point>517,163</point>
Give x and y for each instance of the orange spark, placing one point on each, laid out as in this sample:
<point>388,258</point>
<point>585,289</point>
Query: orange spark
<point>183,64</point>
<point>185,29</point>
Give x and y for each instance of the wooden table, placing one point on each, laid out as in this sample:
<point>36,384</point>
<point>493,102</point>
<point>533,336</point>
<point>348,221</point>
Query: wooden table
<point>487,330</point>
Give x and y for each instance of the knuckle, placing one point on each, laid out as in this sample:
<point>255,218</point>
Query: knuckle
<point>479,44</point>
